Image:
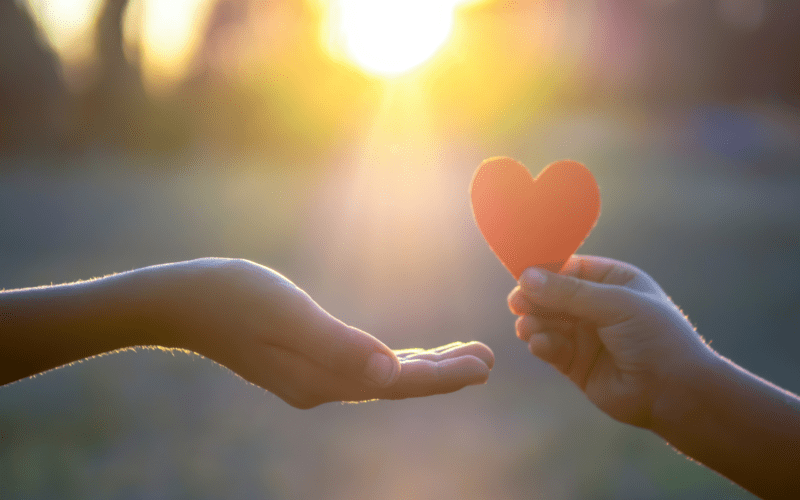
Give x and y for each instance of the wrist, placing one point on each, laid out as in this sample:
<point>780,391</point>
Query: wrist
<point>685,392</point>
<point>180,302</point>
<point>160,304</point>
<point>132,308</point>
<point>143,307</point>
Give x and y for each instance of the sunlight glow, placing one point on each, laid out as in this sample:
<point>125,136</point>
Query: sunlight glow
<point>169,35</point>
<point>168,31</point>
<point>66,24</point>
<point>390,37</point>
<point>393,217</point>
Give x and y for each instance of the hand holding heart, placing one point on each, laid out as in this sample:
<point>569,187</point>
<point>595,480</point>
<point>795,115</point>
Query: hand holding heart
<point>611,329</point>
<point>605,324</point>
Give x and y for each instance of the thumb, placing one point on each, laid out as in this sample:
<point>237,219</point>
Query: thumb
<point>347,350</point>
<point>364,355</point>
<point>599,303</point>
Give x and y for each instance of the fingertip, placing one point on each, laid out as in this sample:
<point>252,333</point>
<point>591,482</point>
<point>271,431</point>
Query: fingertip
<point>485,354</point>
<point>466,370</point>
<point>482,379</point>
<point>516,301</point>
<point>532,279</point>
<point>525,327</point>
<point>473,370</point>
<point>490,361</point>
<point>425,377</point>
<point>480,351</point>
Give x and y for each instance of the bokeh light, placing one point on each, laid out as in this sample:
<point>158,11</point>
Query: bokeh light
<point>166,33</point>
<point>170,34</point>
<point>66,24</point>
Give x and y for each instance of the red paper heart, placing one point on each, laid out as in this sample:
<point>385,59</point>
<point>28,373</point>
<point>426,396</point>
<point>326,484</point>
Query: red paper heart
<point>534,222</point>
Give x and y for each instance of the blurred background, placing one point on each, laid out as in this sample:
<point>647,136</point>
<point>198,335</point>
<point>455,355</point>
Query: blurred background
<point>334,141</point>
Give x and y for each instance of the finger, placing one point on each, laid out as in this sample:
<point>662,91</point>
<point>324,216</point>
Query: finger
<point>599,303</point>
<point>311,331</point>
<point>313,384</point>
<point>304,383</point>
<point>441,348</point>
<point>587,347</point>
<point>553,348</point>
<point>590,267</point>
<point>517,302</point>
<point>401,353</point>
<point>528,325</point>
<point>423,377</point>
<point>575,358</point>
<point>520,305</point>
<point>450,351</point>
<point>447,347</point>
<point>609,271</point>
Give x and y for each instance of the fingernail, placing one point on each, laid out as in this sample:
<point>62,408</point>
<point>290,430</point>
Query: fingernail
<point>380,369</point>
<point>532,279</point>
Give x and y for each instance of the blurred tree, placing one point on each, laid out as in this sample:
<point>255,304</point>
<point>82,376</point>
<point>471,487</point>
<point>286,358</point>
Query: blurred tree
<point>34,105</point>
<point>117,112</point>
<point>114,66</point>
<point>260,78</point>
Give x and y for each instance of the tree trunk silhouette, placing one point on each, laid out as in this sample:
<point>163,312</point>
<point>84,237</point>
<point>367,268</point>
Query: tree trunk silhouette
<point>34,107</point>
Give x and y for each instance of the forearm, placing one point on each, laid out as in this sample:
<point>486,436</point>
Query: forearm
<point>737,424</point>
<point>46,327</point>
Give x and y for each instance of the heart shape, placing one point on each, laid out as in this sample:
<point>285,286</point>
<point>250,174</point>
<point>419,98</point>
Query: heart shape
<point>534,222</point>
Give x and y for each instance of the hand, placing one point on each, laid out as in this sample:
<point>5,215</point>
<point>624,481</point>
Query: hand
<point>611,329</point>
<point>270,332</point>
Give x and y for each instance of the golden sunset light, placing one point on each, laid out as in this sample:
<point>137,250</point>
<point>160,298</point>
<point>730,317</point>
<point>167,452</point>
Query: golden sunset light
<point>169,35</point>
<point>392,37</point>
<point>231,227</point>
<point>387,38</point>
<point>65,24</point>
<point>167,31</point>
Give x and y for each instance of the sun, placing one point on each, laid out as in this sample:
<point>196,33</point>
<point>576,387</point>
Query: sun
<point>390,37</point>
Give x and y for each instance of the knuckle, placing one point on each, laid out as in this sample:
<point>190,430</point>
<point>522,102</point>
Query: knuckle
<point>620,275</point>
<point>571,288</point>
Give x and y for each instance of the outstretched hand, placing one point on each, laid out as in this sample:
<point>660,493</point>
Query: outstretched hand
<point>611,329</point>
<point>270,332</point>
